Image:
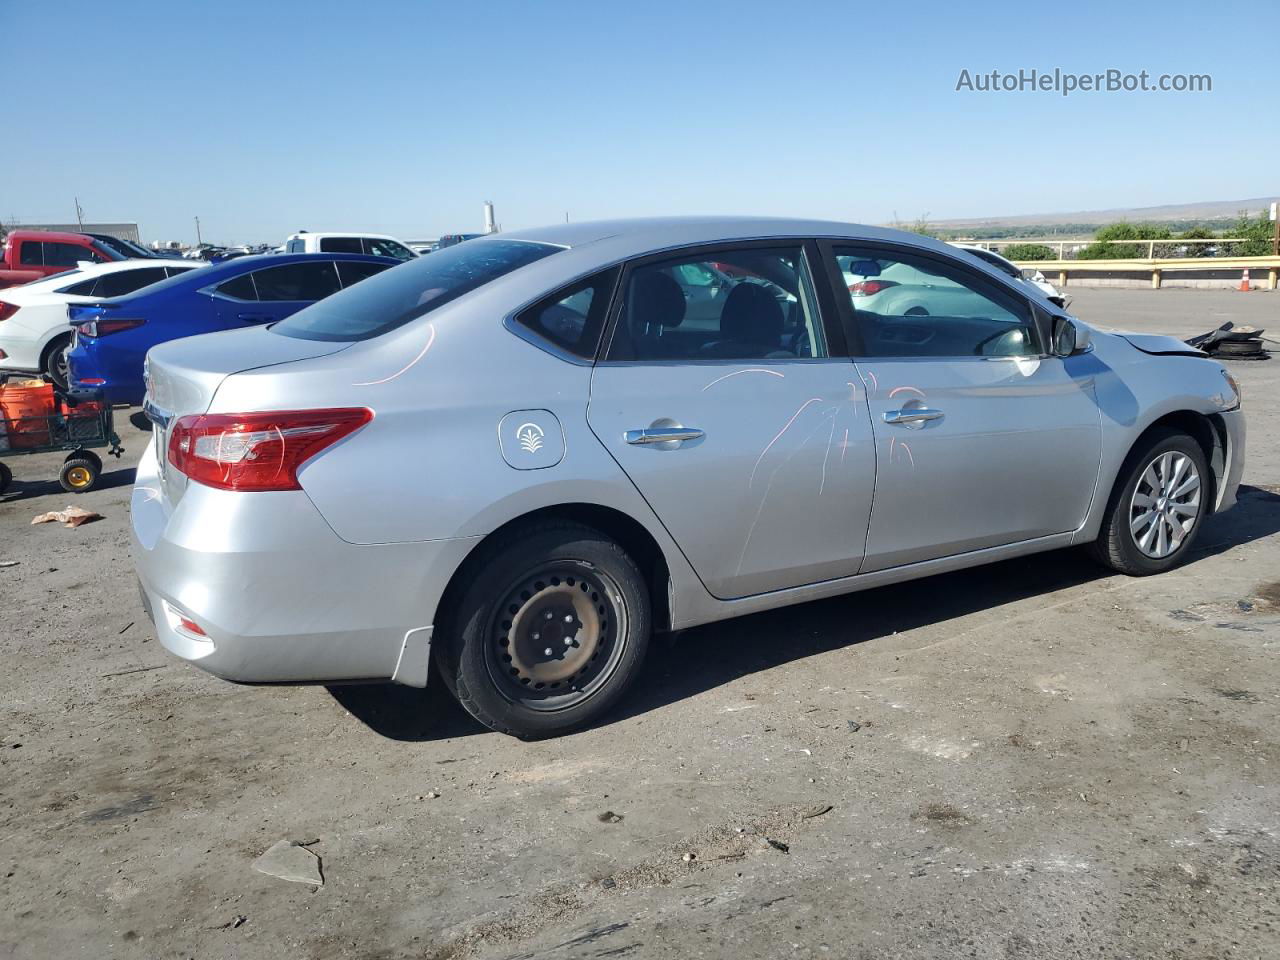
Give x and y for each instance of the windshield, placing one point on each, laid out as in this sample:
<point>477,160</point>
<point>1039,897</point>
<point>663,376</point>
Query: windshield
<point>404,293</point>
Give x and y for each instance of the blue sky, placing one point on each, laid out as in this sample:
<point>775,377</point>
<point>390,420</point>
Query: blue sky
<point>267,117</point>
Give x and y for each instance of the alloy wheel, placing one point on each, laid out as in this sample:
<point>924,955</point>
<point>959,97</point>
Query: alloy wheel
<point>1165,504</point>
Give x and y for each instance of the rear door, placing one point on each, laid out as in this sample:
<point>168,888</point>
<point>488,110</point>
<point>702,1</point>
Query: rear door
<point>273,293</point>
<point>746,431</point>
<point>982,438</point>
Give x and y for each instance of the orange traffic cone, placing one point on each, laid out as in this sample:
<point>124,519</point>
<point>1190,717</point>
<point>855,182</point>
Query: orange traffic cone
<point>1244,281</point>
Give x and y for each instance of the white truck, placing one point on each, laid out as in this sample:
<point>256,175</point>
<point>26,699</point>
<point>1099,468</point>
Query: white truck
<point>372,244</point>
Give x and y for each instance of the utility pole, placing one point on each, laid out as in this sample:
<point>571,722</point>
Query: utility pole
<point>79,214</point>
<point>199,242</point>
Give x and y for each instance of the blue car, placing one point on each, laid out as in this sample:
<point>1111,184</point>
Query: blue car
<point>111,337</point>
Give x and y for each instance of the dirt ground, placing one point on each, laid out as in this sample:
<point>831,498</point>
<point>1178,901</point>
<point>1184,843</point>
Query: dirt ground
<point>1032,759</point>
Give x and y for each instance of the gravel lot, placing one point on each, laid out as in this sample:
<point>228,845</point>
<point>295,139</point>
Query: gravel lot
<point>1047,762</point>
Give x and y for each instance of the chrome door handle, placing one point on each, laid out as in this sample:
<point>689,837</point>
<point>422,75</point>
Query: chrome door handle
<point>662,435</point>
<point>912,415</point>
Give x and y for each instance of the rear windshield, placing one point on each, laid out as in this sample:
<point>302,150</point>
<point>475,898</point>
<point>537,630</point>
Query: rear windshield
<point>392,299</point>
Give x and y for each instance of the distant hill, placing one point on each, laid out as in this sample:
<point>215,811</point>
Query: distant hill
<point>1085,221</point>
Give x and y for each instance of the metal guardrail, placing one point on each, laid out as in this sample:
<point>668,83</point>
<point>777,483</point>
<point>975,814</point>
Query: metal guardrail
<point>1158,267</point>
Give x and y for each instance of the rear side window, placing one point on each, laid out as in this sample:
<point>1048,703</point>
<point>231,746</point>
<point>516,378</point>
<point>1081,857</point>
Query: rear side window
<point>340,245</point>
<point>240,288</point>
<point>353,271</point>
<point>752,303</point>
<point>413,289</point>
<point>32,254</point>
<point>313,280</point>
<point>174,271</point>
<point>67,254</point>
<point>127,281</point>
<point>572,318</point>
<point>82,289</point>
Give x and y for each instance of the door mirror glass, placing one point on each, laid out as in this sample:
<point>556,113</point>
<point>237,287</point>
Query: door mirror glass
<point>1065,337</point>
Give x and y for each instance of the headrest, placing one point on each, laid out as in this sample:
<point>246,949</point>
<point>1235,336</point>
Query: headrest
<point>752,314</point>
<point>656,299</point>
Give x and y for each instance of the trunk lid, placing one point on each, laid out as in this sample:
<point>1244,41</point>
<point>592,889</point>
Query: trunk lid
<point>182,377</point>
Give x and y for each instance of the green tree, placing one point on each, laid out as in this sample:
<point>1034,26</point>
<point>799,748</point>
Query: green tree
<point>920,226</point>
<point>1257,232</point>
<point>1100,250</point>
<point>1029,251</point>
<point>1198,249</point>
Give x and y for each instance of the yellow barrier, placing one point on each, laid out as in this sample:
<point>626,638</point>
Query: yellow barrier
<point>1158,267</point>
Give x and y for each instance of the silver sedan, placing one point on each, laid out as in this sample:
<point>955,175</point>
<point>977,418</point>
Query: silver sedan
<point>522,456</point>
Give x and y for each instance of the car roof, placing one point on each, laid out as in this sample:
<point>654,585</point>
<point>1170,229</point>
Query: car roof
<point>343,233</point>
<point>255,261</point>
<point>48,235</point>
<point>133,263</point>
<point>655,233</point>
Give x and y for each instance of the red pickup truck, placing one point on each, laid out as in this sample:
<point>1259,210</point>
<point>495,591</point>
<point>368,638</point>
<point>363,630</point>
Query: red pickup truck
<point>31,254</point>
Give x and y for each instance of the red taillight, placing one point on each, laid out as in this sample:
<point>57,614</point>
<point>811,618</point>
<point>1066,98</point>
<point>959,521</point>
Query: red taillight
<point>7,310</point>
<point>101,328</point>
<point>865,288</point>
<point>257,451</point>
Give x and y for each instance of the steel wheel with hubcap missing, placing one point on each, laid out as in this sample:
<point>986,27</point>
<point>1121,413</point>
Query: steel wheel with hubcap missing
<point>549,629</point>
<point>1165,504</point>
<point>555,637</point>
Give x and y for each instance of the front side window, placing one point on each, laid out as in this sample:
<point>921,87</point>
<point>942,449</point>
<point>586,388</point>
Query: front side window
<point>572,318</point>
<point>32,253</point>
<point>377,247</point>
<point>340,245</point>
<point>911,306</point>
<point>753,303</point>
<point>296,246</point>
<point>312,280</point>
<point>411,290</point>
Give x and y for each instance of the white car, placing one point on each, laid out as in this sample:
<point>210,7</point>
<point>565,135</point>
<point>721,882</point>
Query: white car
<point>371,244</point>
<point>34,332</point>
<point>1005,265</point>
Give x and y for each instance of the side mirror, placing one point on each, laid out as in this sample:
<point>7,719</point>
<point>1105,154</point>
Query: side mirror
<point>1069,337</point>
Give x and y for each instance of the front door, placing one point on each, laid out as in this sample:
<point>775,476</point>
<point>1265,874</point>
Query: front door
<point>747,437</point>
<point>981,438</point>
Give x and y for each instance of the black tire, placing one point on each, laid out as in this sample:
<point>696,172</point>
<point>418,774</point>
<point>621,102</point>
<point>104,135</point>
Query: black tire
<point>1117,546</point>
<point>535,580</point>
<point>92,457</point>
<point>54,361</point>
<point>6,477</point>
<point>80,473</point>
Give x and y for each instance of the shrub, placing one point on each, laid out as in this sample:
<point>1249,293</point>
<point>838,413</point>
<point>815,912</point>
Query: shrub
<point>1029,251</point>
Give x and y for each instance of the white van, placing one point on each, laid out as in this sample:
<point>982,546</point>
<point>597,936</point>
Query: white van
<point>373,244</point>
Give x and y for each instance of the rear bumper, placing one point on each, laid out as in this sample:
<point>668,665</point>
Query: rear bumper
<point>280,597</point>
<point>87,367</point>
